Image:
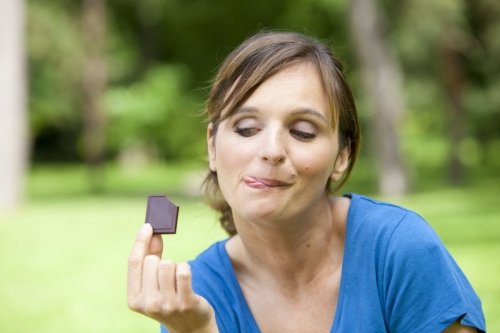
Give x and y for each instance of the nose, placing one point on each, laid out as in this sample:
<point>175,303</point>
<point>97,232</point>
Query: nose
<point>272,148</point>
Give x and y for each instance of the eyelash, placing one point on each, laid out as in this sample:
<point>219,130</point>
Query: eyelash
<point>247,132</point>
<point>303,135</point>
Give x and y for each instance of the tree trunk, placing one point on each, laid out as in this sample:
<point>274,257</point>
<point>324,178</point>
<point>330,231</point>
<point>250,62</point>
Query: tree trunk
<point>383,80</point>
<point>13,118</point>
<point>94,81</point>
<point>453,76</point>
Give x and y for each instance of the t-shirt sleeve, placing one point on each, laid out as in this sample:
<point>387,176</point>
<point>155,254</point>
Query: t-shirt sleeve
<point>425,290</point>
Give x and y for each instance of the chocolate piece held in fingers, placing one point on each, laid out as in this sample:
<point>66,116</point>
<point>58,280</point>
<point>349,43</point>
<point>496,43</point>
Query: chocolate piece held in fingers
<point>162,214</point>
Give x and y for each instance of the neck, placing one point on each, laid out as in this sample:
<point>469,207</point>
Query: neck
<point>291,253</point>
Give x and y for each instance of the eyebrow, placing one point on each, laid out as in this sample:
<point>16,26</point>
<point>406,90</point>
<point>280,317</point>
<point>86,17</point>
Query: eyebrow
<point>311,112</point>
<point>299,111</point>
<point>246,109</point>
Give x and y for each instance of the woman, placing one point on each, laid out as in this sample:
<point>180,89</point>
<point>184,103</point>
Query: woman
<point>283,134</point>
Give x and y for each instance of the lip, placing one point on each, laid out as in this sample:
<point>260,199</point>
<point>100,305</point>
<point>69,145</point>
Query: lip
<point>262,183</point>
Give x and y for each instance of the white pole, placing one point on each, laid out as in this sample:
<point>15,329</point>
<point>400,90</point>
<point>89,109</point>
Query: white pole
<point>13,118</point>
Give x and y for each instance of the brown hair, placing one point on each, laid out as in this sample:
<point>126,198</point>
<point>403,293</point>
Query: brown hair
<point>255,60</point>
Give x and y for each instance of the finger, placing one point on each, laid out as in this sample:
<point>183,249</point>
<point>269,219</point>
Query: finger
<point>156,246</point>
<point>150,275</point>
<point>185,294</point>
<point>139,251</point>
<point>166,280</point>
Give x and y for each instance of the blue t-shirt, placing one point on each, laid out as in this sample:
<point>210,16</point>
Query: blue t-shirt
<point>397,276</point>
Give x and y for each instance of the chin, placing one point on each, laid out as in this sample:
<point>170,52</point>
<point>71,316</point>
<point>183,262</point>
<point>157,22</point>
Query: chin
<point>262,213</point>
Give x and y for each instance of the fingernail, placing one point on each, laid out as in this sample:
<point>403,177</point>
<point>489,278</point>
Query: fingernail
<point>145,226</point>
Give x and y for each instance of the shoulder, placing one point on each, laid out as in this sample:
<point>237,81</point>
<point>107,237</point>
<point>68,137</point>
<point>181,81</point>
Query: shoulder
<point>394,240</point>
<point>402,236</point>
<point>380,223</point>
<point>415,272</point>
<point>365,208</point>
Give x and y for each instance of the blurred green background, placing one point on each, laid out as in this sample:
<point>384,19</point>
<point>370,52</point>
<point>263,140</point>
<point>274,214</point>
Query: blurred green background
<point>64,247</point>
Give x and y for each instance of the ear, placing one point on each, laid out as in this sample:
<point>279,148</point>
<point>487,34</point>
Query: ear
<point>341,163</point>
<point>211,147</point>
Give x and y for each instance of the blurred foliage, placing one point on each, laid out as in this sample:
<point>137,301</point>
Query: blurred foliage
<point>157,112</point>
<point>55,61</point>
<point>162,54</point>
<point>417,28</point>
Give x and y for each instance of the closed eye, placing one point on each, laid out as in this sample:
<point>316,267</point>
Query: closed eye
<point>246,132</point>
<point>302,135</point>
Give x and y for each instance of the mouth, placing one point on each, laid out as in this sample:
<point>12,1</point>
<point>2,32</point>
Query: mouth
<point>263,183</point>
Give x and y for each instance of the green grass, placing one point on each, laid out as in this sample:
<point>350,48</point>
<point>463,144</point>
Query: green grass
<point>63,255</point>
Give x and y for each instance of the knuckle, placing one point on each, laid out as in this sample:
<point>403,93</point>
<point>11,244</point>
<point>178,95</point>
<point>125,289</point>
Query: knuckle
<point>188,305</point>
<point>151,259</point>
<point>153,306</point>
<point>170,309</point>
<point>141,239</point>
<point>185,308</point>
<point>133,304</point>
<point>134,261</point>
<point>183,271</point>
<point>184,276</point>
<point>167,264</point>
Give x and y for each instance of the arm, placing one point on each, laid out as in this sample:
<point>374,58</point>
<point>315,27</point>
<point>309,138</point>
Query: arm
<point>162,290</point>
<point>456,327</point>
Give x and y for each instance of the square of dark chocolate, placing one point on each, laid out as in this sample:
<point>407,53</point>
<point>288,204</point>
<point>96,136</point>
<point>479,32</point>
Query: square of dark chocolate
<point>162,214</point>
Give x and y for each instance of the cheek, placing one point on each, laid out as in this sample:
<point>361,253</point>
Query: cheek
<point>316,164</point>
<point>230,159</point>
<point>226,154</point>
<point>231,163</point>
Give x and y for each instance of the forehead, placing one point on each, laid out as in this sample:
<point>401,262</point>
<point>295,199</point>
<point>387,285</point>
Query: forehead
<point>298,86</point>
<point>297,75</point>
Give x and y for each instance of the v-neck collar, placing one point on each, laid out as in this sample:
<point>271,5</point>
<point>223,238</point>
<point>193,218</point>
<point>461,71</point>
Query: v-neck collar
<point>252,324</point>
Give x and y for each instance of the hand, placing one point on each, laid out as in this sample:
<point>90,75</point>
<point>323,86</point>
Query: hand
<point>162,290</point>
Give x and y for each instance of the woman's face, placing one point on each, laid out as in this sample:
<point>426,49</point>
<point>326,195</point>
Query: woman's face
<point>273,157</point>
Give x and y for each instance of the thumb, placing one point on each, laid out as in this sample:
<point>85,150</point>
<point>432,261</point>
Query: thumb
<point>156,246</point>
